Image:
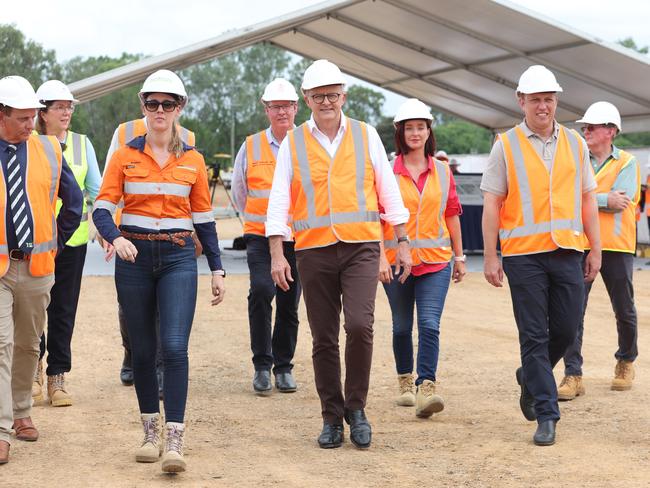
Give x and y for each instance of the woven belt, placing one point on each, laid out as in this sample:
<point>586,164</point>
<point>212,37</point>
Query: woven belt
<point>18,255</point>
<point>173,237</point>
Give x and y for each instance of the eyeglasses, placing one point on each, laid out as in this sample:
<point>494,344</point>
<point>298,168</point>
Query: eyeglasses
<point>62,108</point>
<point>167,106</point>
<point>331,97</point>
<point>591,128</point>
<point>278,108</point>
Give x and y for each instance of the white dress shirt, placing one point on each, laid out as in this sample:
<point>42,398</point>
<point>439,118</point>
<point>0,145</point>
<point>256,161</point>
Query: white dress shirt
<point>385,183</point>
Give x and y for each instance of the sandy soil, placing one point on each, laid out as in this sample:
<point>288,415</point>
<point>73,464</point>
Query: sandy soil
<point>237,439</point>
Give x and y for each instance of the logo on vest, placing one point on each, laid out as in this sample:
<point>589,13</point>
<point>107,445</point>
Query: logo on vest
<point>263,163</point>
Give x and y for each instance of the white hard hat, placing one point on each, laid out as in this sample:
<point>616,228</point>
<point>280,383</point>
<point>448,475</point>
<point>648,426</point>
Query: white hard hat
<point>16,92</point>
<point>412,109</point>
<point>54,90</point>
<point>322,73</point>
<point>441,155</point>
<point>538,79</point>
<point>601,113</point>
<point>164,81</point>
<point>279,89</point>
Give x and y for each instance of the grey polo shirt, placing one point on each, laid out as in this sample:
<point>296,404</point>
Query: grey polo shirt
<point>495,176</point>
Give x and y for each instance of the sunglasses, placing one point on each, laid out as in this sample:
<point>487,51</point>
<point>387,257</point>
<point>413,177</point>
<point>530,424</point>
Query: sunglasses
<point>167,105</point>
<point>591,128</point>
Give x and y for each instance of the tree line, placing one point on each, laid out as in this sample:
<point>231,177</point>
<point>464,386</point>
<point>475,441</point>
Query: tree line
<point>223,91</point>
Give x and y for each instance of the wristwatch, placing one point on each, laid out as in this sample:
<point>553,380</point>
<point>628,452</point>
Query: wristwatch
<point>219,272</point>
<point>460,259</point>
<point>403,239</point>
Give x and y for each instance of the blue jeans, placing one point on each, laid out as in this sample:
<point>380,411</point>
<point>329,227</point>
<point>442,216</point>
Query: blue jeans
<point>163,277</point>
<point>428,293</point>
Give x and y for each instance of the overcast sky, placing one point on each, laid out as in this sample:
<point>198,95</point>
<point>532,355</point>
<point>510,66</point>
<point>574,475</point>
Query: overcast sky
<point>93,28</point>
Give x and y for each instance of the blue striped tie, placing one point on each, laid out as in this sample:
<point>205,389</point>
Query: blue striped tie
<point>18,201</point>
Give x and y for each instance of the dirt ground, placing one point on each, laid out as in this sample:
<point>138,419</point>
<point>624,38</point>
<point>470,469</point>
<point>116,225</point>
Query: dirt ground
<point>237,439</point>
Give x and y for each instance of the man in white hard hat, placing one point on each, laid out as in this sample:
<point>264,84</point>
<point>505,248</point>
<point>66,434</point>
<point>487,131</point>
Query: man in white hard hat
<point>251,185</point>
<point>539,200</point>
<point>34,175</point>
<point>332,176</point>
<point>619,189</point>
<point>164,81</point>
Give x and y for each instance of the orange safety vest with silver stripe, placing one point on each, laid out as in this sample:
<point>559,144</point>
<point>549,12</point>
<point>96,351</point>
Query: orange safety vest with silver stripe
<point>42,184</point>
<point>542,210</point>
<point>617,229</point>
<point>427,227</point>
<point>260,166</point>
<point>127,131</point>
<point>333,199</point>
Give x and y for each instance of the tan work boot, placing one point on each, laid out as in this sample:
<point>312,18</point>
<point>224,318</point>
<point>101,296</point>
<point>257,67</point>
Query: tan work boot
<point>151,448</point>
<point>426,401</point>
<point>570,387</point>
<point>623,375</point>
<point>37,385</point>
<point>56,391</point>
<point>173,461</point>
<point>406,396</point>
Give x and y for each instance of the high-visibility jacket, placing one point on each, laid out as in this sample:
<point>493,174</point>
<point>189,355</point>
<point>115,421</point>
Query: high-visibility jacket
<point>176,196</point>
<point>127,131</point>
<point>617,230</point>
<point>44,161</point>
<point>542,210</point>
<point>75,156</point>
<point>427,226</point>
<point>333,199</point>
<point>259,178</point>
<point>647,196</point>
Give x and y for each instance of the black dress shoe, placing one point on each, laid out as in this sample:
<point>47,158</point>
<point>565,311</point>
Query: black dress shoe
<point>526,400</point>
<point>126,373</point>
<point>262,382</point>
<point>331,436</point>
<point>161,381</point>
<point>360,431</point>
<point>545,433</point>
<point>285,383</point>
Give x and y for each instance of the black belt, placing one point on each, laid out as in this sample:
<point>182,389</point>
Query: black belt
<point>18,255</point>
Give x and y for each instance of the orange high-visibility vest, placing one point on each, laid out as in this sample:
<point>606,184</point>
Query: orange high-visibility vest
<point>127,131</point>
<point>260,166</point>
<point>333,199</point>
<point>44,161</point>
<point>542,211</point>
<point>647,196</point>
<point>427,226</point>
<point>617,230</point>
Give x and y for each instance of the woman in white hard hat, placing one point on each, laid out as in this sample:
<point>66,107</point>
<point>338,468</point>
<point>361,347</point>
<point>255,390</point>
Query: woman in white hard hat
<point>164,184</point>
<point>429,192</point>
<point>54,120</point>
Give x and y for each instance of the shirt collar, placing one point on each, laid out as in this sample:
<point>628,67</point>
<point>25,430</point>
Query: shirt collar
<point>400,169</point>
<point>529,133</point>
<point>615,154</point>
<point>311,124</point>
<point>271,138</point>
<point>4,145</point>
<point>139,143</point>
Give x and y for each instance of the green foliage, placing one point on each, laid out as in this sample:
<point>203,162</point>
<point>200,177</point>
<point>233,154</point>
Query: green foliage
<point>629,43</point>
<point>364,104</point>
<point>20,56</point>
<point>460,137</point>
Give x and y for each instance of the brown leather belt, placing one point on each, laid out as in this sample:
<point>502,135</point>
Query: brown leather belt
<point>174,237</point>
<point>18,255</point>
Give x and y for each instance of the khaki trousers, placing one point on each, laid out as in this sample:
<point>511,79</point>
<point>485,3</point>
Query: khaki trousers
<point>23,302</point>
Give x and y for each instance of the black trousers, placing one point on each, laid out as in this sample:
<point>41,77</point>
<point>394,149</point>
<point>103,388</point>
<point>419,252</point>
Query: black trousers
<point>616,271</point>
<point>62,311</point>
<point>547,292</point>
<point>271,348</point>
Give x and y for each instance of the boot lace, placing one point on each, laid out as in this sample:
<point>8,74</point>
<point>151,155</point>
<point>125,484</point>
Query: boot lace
<point>151,431</point>
<point>406,384</point>
<point>175,439</point>
<point>570,381</point>
<point>57,382</point>
<point>623,370</point>
<point>428,388</point>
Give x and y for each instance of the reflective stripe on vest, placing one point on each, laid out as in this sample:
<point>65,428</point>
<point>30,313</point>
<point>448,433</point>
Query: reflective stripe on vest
<point>138,188</point>
<point>42,176</point>
<point>522,230</point>
<point>327,224</point>
<point>617,229</point>
<point>156,224</point>
<point>76,156</point>
<point>427,245</point>
<point>260,166</point>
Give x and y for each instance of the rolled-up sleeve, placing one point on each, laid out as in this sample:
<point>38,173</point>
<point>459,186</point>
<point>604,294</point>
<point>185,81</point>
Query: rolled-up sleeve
<point>390,198</point>
<point>277,215</point>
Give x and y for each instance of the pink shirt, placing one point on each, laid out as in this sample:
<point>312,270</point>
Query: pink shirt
<point>453,206</point>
